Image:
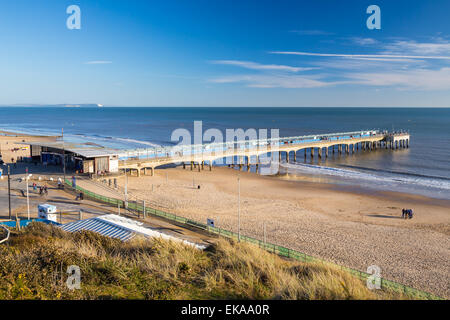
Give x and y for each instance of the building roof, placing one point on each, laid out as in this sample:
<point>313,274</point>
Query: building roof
<point>87,150</point>
<point>100,226</point>
<point>115,226</point>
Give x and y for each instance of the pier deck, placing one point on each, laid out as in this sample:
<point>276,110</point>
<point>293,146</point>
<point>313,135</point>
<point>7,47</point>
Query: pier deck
<point>248,152</point>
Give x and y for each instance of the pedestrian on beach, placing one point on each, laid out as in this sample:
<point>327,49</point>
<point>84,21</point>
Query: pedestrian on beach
<point>403,213</point>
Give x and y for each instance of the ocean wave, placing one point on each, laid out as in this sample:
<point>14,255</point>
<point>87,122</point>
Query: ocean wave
<point>115,142</point>
<point>395,172</point>
<point>392,179</point>
<point>147,143</point>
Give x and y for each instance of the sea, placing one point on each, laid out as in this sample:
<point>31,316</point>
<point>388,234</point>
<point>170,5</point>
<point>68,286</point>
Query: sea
<point>423,168</point>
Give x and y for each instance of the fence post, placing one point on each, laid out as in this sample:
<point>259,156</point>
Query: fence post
<point>60,217</point>
<point>144,210</point>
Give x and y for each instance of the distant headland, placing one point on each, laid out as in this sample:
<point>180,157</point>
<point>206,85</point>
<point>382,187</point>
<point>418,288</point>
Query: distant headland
<point>66,105</point>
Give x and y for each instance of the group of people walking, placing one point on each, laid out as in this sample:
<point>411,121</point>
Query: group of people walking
<point>407,213</point>
<point>42,189</point>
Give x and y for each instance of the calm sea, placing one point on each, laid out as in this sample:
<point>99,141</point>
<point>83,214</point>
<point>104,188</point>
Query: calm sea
<point>424,168</point>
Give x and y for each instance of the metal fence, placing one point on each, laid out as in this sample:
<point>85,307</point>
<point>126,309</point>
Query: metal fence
<point>279,250</point>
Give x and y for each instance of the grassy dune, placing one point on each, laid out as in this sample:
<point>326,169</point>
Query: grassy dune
<point>33,265</point>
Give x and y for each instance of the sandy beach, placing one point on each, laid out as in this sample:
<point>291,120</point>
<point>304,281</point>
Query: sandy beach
<point>354,228</point>
<point>11,148</point>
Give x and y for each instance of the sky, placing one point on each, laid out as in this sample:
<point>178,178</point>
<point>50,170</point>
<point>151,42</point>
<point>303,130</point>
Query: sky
<point>226,53</point>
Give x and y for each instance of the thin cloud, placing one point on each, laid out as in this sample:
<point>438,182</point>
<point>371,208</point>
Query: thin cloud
<point>421,79</point>
<point>429,48</point>
<point>312,32</point>
<point>364,41</point>
<point>299,53</point>
<point>98,62</point>
<point>258,66</point>
<point>271,81</point>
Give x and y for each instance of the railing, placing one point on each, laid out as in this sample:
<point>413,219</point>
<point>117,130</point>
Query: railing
<point>282,251</point>
<point>191,149</point>
<point>223,150</point>
<point>7,234</point>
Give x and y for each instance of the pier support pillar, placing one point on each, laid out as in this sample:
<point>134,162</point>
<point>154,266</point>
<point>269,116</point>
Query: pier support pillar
<point>153,171</point>
<point>320,152</point>
<point>295,156</point>
<point>192,165</point>
<point>184,165</point>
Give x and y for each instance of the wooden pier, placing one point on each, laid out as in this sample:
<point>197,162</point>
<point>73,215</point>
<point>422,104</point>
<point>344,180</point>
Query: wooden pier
<point>241,153</point>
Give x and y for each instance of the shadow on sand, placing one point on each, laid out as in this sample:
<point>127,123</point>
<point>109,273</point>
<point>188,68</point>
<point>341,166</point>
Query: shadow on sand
<point>383,216</point>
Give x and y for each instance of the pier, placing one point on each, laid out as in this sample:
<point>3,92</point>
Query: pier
<point>244,154</point>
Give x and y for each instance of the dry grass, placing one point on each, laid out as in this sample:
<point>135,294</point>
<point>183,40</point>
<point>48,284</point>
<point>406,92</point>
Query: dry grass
<point>33,264</point>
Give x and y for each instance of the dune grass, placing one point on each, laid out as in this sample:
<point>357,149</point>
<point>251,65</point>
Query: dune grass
<point>34,262</point>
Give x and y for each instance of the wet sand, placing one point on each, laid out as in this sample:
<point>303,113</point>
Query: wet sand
<point>355,228</point>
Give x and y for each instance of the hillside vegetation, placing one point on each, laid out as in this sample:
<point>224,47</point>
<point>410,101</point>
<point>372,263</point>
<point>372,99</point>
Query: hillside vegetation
<point>33,265</point>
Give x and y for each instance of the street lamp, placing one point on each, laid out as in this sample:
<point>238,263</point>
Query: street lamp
<point>28,198</point>
<point>126,189</point>
<point>64,156</point>
<point>239,209</point>
<point>9,192</point>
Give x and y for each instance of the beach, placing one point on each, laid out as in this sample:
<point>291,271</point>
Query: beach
<point>355,228</point>
<point>12,147</point>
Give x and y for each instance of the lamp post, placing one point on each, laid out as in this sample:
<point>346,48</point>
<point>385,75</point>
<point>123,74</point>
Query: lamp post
<point>239,209</point>
<point>28,198</point>
<point>64,156</point>
<point>126,189</point>
<point>9,192</point>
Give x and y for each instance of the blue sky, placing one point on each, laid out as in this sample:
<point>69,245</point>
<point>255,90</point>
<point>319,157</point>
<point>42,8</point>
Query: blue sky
<point>226,53</point>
